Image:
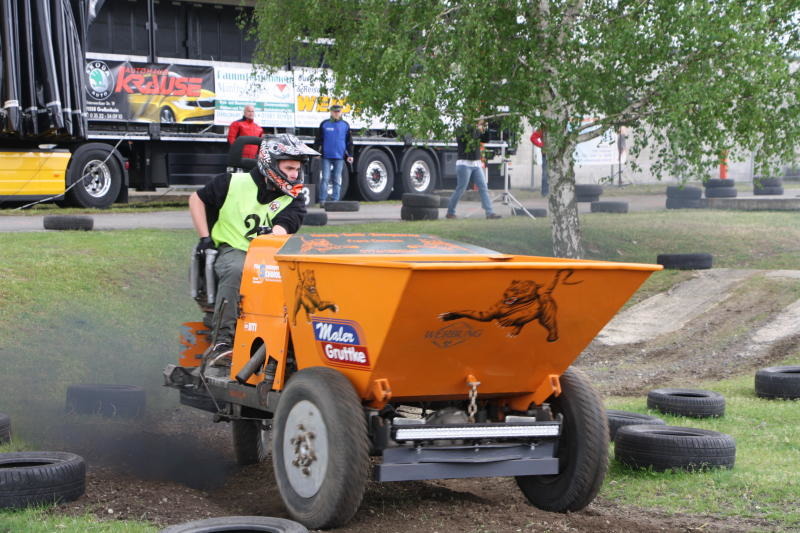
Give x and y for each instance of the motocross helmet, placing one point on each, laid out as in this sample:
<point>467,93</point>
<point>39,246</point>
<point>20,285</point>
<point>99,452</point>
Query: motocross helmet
<point>278,148</point>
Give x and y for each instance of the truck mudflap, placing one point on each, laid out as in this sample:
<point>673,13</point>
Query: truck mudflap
<point>408,463</point>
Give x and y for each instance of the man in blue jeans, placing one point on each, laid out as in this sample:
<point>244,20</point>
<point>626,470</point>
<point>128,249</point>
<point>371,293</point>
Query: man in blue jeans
<point>469,165</point>
<point>336,146</point>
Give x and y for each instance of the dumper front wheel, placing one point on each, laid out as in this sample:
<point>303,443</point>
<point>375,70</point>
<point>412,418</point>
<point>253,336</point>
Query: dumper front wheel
<point>582,449</point>
<point>320,448</point>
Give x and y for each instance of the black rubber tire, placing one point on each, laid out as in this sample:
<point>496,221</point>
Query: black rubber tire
<point>111,170</point>
<point>585,199</point>
<point>339,495</point>
<point>609,207</point>
<point>768,191</point>
<point>537,212</point>
<point>680,203</point>
<point>588,190</point>
<point>315,218</point>
<point>406,184</point>
<point>669,447</point>
<point>717,183</point>
<point>419,213</point>
<point>684,193</point>
<point>249,444</point>
<point>68,222</point>
<point>5,428</point>
<point>695,403</point>
<point>759,183</point>
<point>618,419</point>
<point>367,163</point>
<point>412,199</point>
<point>341,206</point>
<point>444,202</point>
<point>38,478</point>
<point>582,449</point>
<point>778,382</point>
<point>125,401</point>
<point>198,400</point>
<point>721,192</point>
<point>699,261</point>
<point>240,524</point>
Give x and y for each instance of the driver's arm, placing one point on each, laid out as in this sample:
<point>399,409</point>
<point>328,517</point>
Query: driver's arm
<point>198,211</point>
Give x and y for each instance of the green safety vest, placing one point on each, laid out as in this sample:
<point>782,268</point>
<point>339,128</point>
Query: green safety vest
<point>242,214</point>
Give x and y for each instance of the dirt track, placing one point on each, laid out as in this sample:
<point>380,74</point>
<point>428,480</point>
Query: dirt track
<point>182,469</point>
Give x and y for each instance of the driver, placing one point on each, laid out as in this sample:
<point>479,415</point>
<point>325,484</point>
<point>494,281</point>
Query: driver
<point>228,211</point>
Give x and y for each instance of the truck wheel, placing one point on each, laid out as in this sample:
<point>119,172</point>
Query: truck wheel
<point>38,478</point>
<point>250,442</point>
<point>320,450</point>
<point>582,449</point>
<point>99,173</point>
<point>419,173</point>
<point>375,175</point>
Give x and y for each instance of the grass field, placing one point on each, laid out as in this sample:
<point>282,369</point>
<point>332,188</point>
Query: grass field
<point>104,307</point>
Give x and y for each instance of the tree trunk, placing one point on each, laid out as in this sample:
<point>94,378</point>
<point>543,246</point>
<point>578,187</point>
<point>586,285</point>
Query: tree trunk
<point>566,228</point>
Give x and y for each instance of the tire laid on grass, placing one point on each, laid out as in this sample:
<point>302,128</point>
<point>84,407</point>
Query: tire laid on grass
<point>768,191</point>
<point>695,403</point>
<point>609,207</point>
<point>588,190</point>
<point>685,193</point>
<point>760,183</point>
<point>419,213</point>
<point>239,524</point>
<point>618,419</point>
<point>699,261</point>
<point>5,428</point>
<point>669,447</point>
<point>718,183</point>
<point>582,449</point>
<point>420,200</point>
<point>250,441</point>
<point>320,412</point>
<point>68,222</point>
<point>39,478</point>
<point>721,192</point>
<point>681,203</point>
<point>444,202</point>
<point>585,199</point>
<point>778,382</point>
<point>126,401</point>
<point>537,212</point>
<point>341,206</point>
<point>315,218</point>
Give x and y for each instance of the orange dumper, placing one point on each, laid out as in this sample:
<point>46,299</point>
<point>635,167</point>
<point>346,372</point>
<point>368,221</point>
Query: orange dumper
<point>439,359</point>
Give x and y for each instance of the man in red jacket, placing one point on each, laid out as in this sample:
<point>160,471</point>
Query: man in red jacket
<point>246,126</point>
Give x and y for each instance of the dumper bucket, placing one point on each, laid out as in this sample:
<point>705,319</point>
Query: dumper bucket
<point>414,317</point>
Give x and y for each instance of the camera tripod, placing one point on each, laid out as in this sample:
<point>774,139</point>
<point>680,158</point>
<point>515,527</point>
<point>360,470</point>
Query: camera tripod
<point>505,197</point>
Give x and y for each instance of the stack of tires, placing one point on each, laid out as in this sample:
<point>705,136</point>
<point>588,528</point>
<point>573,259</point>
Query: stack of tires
<point>720,188</point>
<point>588,193</point>
<point>341,206</point>
<point>684,197</point>
<point>418,206</point>
<point>767,186</point>
<point>609,207</point>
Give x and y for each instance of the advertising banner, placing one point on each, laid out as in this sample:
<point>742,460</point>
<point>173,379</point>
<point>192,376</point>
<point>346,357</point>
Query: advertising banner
<point>272,95</point>
<point>598,151</point>
<point>141,92</point>
<point>312,107</point>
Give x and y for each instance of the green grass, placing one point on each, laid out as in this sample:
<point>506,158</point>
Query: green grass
<point>40,520</point>
<point>135,206</point>
<point>764,483</point>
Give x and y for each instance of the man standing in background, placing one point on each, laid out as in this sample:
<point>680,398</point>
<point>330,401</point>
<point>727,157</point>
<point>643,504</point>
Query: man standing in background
<point>336,146</point>
<point>246,126</point>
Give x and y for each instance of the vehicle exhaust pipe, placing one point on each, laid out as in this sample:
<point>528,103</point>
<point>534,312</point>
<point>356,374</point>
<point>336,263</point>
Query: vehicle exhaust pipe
<point>194,274</point>
<point>256,361</point>
<point>211,285</point>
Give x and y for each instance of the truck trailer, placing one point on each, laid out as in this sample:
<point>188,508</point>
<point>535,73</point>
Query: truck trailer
<point>102,96</point>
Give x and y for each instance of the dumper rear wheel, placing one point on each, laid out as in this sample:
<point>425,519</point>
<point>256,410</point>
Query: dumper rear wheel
<point>582,449</point>
<point>320,448</point>
<point>250,441</point>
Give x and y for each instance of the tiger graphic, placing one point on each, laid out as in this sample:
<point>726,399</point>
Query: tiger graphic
<point>306,296</point>
<point>522,302</point>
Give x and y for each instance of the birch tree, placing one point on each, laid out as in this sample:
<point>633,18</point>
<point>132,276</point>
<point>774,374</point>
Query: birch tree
<point>693,78</point>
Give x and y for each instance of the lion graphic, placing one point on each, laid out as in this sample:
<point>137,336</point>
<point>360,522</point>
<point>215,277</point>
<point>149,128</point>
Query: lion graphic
<point>522,302</point>
<point>306,296</point>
